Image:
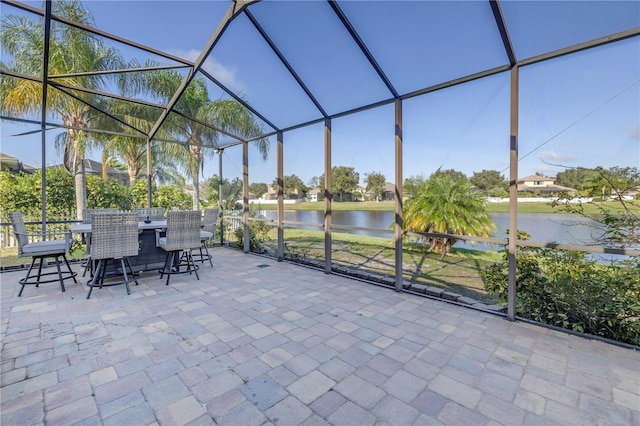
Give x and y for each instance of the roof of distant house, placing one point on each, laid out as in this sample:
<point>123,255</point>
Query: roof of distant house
<point>536,178</point>
<point>12,164</point>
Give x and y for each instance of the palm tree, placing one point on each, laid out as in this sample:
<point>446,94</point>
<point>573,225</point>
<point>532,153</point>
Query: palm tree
<point>71,50</point>
<point>226,114</point>
<point>447,206</point>
<point>133,153</point>
<point>133,150</point>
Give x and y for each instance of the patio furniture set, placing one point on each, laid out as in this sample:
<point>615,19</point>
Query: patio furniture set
<point>120,243</point>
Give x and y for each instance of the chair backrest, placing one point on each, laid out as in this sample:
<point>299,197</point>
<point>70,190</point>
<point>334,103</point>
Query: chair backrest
<point>183,230</point>
<point>87,214</point>
<point>114,235</point>
<point>20,231</point>
<point>154,213</point>
<point>210,220</point>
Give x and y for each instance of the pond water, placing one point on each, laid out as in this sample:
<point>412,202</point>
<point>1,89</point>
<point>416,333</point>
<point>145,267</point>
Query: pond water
<point>544,227</point>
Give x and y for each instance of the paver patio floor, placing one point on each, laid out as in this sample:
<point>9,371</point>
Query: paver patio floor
<point>284,344</point>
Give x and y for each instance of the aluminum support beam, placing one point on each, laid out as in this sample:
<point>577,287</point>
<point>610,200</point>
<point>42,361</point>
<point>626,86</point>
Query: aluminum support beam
<point>513,195</point>
<point>149,175</point>
<point>634,32</point>
<point>239,99</point>
<point>235,9</point>
<point>280,178</point>
<point>504,33</point>
<point>245,196</point>
<point>397,236</point>
<point>220,200</point>
<point>365,50</point>
<point>96,31</point>
<point>284,61</point>
<point>43,116</point>
<point>328,196</point>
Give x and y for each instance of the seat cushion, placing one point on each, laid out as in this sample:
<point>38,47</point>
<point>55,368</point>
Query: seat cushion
<point>206,235</point>
<point>42,248</point>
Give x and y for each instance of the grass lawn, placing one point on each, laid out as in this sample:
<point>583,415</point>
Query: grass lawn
<point>458,272</point>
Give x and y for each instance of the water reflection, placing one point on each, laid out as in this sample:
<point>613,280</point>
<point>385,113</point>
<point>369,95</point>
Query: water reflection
<point>545,227</point>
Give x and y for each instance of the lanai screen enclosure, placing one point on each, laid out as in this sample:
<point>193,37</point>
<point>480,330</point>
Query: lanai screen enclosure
<point>388,67</point>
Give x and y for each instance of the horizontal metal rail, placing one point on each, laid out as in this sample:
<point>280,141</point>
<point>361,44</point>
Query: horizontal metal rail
<point>539,244</point>
<point>361,228</point>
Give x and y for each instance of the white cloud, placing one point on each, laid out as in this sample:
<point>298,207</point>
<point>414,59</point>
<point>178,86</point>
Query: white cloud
<point>553,156</point>
<point>545,171</point>
<point>223,74</point>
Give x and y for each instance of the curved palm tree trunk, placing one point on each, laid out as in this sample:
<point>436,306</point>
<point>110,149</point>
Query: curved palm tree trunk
<point>196,154</point>
<point>133,176</point>
<point>196,192</point>
<point>74,162</point>
<point>81,195</point>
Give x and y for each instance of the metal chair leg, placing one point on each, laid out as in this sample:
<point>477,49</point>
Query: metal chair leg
<point>97,277</point>
<point>126,279</point>
<point>25,279</point>
<point>60,274</point>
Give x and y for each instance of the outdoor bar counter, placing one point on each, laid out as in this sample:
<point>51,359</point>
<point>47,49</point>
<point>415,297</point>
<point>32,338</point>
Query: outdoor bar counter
<point>150,256</point>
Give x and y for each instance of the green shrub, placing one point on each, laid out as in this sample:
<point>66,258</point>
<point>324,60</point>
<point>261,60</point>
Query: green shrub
<point>566,289</point>
<point>109,194</point>
<point>172,197</point>
<point>258,234</point>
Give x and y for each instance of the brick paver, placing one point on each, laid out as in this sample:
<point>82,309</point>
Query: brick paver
<point>291,345</point>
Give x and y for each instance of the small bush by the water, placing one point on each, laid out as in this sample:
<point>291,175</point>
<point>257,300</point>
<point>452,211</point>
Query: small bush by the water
<point>566,289</point>
<point>258,234</point>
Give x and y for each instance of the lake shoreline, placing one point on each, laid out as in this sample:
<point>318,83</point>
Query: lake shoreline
<point>591,209</point>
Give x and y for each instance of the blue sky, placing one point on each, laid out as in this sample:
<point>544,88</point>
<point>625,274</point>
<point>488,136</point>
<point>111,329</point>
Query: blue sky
<point>577,110</point>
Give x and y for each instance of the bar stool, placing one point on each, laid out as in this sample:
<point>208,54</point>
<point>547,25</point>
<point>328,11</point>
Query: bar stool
<point>207,233</point>
<point>182,235</point>
<point>114,236</point>
<point>40,251</point>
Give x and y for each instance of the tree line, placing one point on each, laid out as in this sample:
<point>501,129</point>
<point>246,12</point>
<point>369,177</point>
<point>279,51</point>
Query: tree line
<point>23,192</point>
<point>345,180</point>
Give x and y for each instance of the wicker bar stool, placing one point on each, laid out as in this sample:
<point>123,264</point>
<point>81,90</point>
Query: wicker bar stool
<point>114,236</point>
<point>40,251</point>
<point>207,232</point>
<point>87,215</point>
<point>182,235</point>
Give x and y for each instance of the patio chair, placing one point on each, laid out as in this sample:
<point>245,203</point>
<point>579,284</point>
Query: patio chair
<point>114,236</point>
<point>154,213</point>
<point>87,214</point>
<point>207,232</point>
<point>40,251</point>
<point>182,235</point>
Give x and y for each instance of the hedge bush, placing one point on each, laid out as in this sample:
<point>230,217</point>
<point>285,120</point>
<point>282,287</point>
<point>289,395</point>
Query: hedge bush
<point>570,290</point>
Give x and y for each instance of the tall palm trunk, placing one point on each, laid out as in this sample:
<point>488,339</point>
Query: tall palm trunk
<point>81,194</point>
<point>195,149</point>
<point>133,169</point>
<point>74,162</point>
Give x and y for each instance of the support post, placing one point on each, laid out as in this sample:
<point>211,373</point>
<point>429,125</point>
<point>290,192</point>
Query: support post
<point>245,195</point>
<point>280,178</point>
<point>43,121</point>
<point>513,196</point>
<point>328,196</point>
<point>397,235</point>
<point>220,200</point>
<point>149,175</point>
